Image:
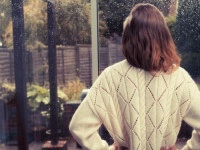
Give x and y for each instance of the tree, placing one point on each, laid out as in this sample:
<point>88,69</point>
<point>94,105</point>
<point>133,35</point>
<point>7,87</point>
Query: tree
<point>187,35</point>
<point>73,22</point>
<point>115,12</point>
<point>35,25</point>
<point>5,16</point>
<point>188,26</point>
<point>72,18</point>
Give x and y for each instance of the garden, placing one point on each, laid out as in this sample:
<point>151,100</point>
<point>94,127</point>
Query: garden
<point>73,24</point>
<point>38,98</point>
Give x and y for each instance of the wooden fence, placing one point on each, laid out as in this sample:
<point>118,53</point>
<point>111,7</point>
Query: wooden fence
<point>72,62</point>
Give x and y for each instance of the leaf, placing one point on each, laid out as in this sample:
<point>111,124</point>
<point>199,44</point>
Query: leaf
<point>39,98</point>
<point>62,96</point>
<point>31,93</point>
<point>45,100</point>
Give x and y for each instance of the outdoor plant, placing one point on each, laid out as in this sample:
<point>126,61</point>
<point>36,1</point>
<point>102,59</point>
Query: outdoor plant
<point>171,22</point>
<point>7,91</point>
<point>73,89</point>
<point>39,99</point>
<point>37,95</point>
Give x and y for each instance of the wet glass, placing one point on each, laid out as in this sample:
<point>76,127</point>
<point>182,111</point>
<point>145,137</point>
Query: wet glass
<point>183,21</point>
<point>73,45</point>
<point>74,59</point>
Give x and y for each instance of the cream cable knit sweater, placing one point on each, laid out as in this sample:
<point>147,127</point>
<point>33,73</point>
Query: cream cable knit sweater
<point>140,111</point>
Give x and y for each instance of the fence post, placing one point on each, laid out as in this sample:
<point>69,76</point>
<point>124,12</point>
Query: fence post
<point>77,58</point>
<point>63,66</point>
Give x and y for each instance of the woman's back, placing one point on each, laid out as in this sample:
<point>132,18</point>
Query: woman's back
<point>142,100</point>
<point>143,111</point>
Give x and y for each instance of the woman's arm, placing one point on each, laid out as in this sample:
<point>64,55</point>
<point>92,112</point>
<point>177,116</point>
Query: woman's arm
<point>84,128</point>
<point>192,117</point>
<point>87,120</point>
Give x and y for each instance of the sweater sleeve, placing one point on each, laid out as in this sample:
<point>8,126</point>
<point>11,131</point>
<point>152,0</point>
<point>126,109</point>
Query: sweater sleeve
<point>192,116</point>
<point>85,122</point>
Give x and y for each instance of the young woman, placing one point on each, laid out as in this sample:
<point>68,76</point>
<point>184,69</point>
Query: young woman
<point>143,99</point>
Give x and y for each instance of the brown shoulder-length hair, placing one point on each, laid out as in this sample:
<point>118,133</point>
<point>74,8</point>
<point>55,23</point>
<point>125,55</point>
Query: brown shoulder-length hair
<point>147,42</point>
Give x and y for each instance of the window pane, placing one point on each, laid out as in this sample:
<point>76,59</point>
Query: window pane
<point>74,59</point>
<point>183,21</point>
<point>73,44</point>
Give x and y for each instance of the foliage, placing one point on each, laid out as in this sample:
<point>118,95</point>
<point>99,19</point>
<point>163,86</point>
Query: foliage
<point>35,25</point>
<point>36,95</point>
<point>73,19</point>
<point>188,26</point>
<point>191,62</point>
<point>73,89</point>
<point>72,22</point>
<point>5,16</point>
<point>39,95</point>
<point>7,91</point>
<point>115,12</point>
<point>171,22</point>
<point>39,100</point>
<point>7,36</point>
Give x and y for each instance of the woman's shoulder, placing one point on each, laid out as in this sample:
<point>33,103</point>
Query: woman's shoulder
<point>182,72</point>
<point>122,63</point>
<point>121,67</point>
<point>181,77</point>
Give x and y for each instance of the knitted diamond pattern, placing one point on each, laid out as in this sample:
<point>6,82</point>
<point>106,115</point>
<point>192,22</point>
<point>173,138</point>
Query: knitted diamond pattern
<point>140,111</point>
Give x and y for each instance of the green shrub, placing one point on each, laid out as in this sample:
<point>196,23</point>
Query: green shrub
<point>171,22</point>
<point>73,89</point>
<point>7,91</point>
<point>191,62</point>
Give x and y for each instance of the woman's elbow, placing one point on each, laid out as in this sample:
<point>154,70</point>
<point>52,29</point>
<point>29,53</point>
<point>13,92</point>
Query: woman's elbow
<point>72,128</point>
